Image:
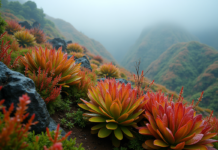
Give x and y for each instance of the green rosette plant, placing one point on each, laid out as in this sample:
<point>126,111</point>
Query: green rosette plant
<point>109,71</point>
<point>115,107</point>
<point>24,38</point>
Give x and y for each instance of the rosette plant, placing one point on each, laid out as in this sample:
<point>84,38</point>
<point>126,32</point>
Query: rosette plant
<point>174,125</point>
<point>77,55</point>
<point>109,70</point>
<point>55,62</point>
<point>24,38</point>
<point>114,107</point>
<point>74,47</point>
<point>39,35</point>
<point>12,26</point>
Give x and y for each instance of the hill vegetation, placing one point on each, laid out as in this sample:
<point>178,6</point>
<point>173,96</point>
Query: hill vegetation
<point>192,65</point>
<point>73,34</point>
<point>152,43</point>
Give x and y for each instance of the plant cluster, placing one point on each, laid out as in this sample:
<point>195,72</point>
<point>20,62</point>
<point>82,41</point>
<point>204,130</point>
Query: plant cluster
<point>25,38</point>
<point>39,35</point>
<point>109,71</point>
<point>98,58</point>
<point>5,55</point>
<point>115,107</point>
<point>45,84</point>
<point>95,62</point>
<point>74,47</point>
<point>55,62</point>
<point>12,26</point>
<point>94,66</point>
<point>77,55</point>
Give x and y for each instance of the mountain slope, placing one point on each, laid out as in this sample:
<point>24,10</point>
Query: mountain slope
<point>192,65</point>
<point>152,43</point>
<point>71,33</point>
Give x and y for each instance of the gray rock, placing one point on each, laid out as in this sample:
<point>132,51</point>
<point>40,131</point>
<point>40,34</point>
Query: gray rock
<point>25,24</point>
<point>36,25</point>
<point>84,62</point>
<point>58,42</point>
<point>14,86</point>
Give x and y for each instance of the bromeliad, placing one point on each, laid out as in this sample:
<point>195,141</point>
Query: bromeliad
<point>115,107</point>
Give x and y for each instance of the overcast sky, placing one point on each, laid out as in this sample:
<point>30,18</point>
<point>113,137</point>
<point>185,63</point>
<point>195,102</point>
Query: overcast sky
<point>118,23</point>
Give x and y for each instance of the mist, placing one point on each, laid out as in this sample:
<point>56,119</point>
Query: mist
<point>118,23</point>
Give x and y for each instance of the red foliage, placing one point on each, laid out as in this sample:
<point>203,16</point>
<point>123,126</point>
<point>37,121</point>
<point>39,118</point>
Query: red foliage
<point>11,129</point>
<point>57,145</point>
<point>5,56</point>
<point>45,84</point>
<point>39,35</point>
<point>85,82</point>
<point>98,58</point>
<point>12,26</point>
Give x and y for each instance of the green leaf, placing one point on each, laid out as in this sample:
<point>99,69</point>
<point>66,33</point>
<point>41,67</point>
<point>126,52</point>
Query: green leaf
<point>104,132</point>
<point>97,119</point>
<point>96,127</point>
<point>118,134</point>
<point>115,141</point>
<point>160,143</point>
<point>111,126</point>
<point>126,131</point>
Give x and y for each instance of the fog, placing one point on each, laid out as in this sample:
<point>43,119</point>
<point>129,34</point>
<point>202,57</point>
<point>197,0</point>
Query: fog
<point>117,23</point>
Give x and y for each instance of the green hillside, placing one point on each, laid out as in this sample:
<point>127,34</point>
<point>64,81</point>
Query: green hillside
<point>192,65</point>
<point>73,34</point>
<point>152,43</point>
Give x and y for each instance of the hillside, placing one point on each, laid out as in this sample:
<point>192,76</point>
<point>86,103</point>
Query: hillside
<point>192,65</point>
<point>152,43</point>
<point>73,34</point>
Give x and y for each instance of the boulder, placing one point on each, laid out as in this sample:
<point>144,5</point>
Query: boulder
<point>25,24</point>
<point>14,86</point>
<point>84,62</point>
<point>36,25</point>
<point>58,42</point>
<point>68,42</point>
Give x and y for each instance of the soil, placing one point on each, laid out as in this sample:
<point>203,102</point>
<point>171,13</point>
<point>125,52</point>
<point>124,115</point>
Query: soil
<point>83,135</point>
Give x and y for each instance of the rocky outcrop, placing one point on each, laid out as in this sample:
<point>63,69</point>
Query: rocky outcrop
<point>25,24</point>
<point>83,60</point>
<point>58,42</point>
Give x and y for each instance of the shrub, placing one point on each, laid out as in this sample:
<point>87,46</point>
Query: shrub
<point>109,71</point>
<point>12,26</point>
<point>94,66</point>
<point>173,125</point>
<point>53,60</point>
<point>39,35</point>
<point>114,106</point>
<point>24,38</point>
<point>95,62</point>
<point>90,55</point>
<point>45,84</point>
<point>74,47</point>
<point>77,55</point>
<point>5,55</point>
<point>98,58</point>
<point>85,50</point>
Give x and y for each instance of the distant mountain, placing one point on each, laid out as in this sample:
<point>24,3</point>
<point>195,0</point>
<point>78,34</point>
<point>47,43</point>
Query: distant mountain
<point>192,65</point>
<point>209,37</point>
<point>73,34</point>
<point>152,43</point>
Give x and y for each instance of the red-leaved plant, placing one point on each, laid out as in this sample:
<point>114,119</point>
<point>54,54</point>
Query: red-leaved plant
<point>98,58</point>
<point>174,125</point>
<point>11,129</point>
<point>39,35</point>
<point>45,84</point>
<point>12,26</point>
<point>5,55</point>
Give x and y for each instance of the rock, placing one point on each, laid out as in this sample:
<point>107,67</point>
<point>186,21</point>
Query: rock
<point>58,42</point>
<point>68,42</point>
<point>53,126</point>
<point>25,24</point>
<point>84,62</point>
<point>36,25</point>
<point>15,85</point>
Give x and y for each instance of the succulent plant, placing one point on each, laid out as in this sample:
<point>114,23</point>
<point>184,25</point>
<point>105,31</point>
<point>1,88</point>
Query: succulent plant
<point>109,70</point>
<point>94,66</point>
<point>12,26</point>
<point>174,125</point>
<point>56,62</point>
<point>98,58</point>
<point>77,55</point>
<point>24,38</point>
<point>95,62</point>
<point>74,47</point>
<point>39,35</point>
<point>115,107</point>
